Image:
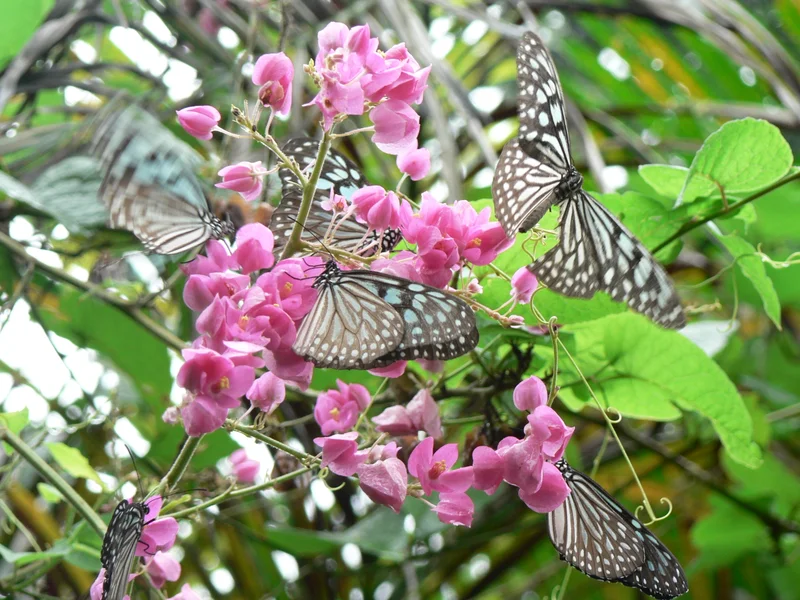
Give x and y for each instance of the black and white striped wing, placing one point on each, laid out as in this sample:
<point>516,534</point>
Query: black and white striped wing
<point>149,185</point>
<point>661,575</point>
<point>542,120</point>
<point>523,189</point>
<point>596,252</point>
<point>438,325</point>
<point>592,532</point>
<point>365,319</point>
<point>338,173</point>
<point>349,326</point>
<point>119,547</point>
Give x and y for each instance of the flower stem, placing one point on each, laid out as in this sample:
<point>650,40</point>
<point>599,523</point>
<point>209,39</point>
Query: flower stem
<point>54,479</point>
<point>179,465</point>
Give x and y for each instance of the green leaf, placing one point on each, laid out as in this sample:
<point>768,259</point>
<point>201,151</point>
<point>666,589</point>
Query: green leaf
<point>20,20</point>
<point>741,156</point>
<point>668,181</point>
<point>16,422</point>
<point>719,543</point>
<point>73,462</point>
<point>90,323</point>
<point>753,268</point>
<point>21,559</point>
<point>49,493</point>
<point>629,346</point>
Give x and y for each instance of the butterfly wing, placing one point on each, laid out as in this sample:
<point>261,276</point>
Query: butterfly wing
<point>542,123</point>
<point>437,325</point>
<point>119,547</point>
<point>661,575</point>
<point>592,532</point>
<point>349,326</point>
<point>523,188</point>
<point>596,252</point>
<point>149,186</point>
<point>338,173</point>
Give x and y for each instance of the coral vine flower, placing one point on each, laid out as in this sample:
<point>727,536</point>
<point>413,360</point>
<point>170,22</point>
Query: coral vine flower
<point>162,568</point>
<point>337,411</point>
<point>341,454</point>
<point>433,468</point>
<point>243,177</point>
<point>274,74</point>
<point>245,468</point>
<point>199,121</point>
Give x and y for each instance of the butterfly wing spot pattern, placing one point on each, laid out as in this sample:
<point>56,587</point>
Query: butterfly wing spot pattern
<point>339,174</point>
<point>149,185</point>
<point>601,538</point>
<point>119,547</point>
<point>365,320</point>
<point>595,252</point>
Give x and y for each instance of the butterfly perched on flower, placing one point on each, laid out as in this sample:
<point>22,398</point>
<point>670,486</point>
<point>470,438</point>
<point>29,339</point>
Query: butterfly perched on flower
<point>595,252</point>
<point>149,186</point>
<point>601,538</point>
<point>340,175</point>
<point>119,546</point>
<point>367,319</point>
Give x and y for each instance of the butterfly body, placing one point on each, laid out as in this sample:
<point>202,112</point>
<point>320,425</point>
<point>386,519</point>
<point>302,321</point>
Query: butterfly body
<point>119,547</point>
<point>601,538</point>
<point>343,177</point>
<point>366,319</point>
<point>149,185</point>
<point>595,252</point>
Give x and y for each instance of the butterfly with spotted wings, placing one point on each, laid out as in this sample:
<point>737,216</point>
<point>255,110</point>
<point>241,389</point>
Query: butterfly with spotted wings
<point>595,252</point>
<point>367,319</point>
<point>149,186</point>
<point>119,547</point>
<point>601,538</point>
<point>343,176</point>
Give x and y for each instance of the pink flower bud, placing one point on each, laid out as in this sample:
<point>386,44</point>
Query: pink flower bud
<point>340,453</point>
<point>455,508</point>
<point>199,121</point>
<point>396,127</point>
<point>379,209</point>
<point>267,393</point>
<point>488,468</point>
<point>245,469</point>
<point>415,163</point>
<point>385,482</point>
<point>161,568</point>
<point>530,393</point>
<point>274,73</point>
<point>523,284</point>
<point>244,178</point>
<point>424,413</point>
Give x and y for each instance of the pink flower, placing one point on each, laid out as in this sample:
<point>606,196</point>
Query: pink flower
<point>424,413</point>
<point>288,286</point>
<point>289,366</point>
<point>335,203</point>
<point>200,290</point>
<point>244,178</point>
<point>171,415</point>
<point>96,591</point>
<point>523,284</point>
<point>217,259</point>
<point>488,468</point>
<point>337,411</point>
<point>158,534</point>
<point>455,508</point>
<point>379,209</point>
<point>398,78</point>
<point>545,423</point>
<point>186,593</point>
<point>551,493</point>
<point>340,453</point>
<point>394,370</point>
<point>396,127</point>
<point>254,244</point>
<point>215,385</point>
<point>530,394</point>
<point>433,469</point>
<point>267,393</point>
<point>395,420</point>
<point>385,482</point>
<point>245,469</point>
<point>274,73</point>
<point>402,264</point>
<point>523,462</point>
<point>415,163</point>
<point>199,121</point>
<point>162,568</point>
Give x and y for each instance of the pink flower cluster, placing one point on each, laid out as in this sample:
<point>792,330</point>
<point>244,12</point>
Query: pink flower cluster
<point>527,463</point>
<point>157,536</point>
<point>446,236</point>
<point>243,326</point>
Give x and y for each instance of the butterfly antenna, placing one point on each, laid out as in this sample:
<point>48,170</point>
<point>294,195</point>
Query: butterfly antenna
<point>135,468</point>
